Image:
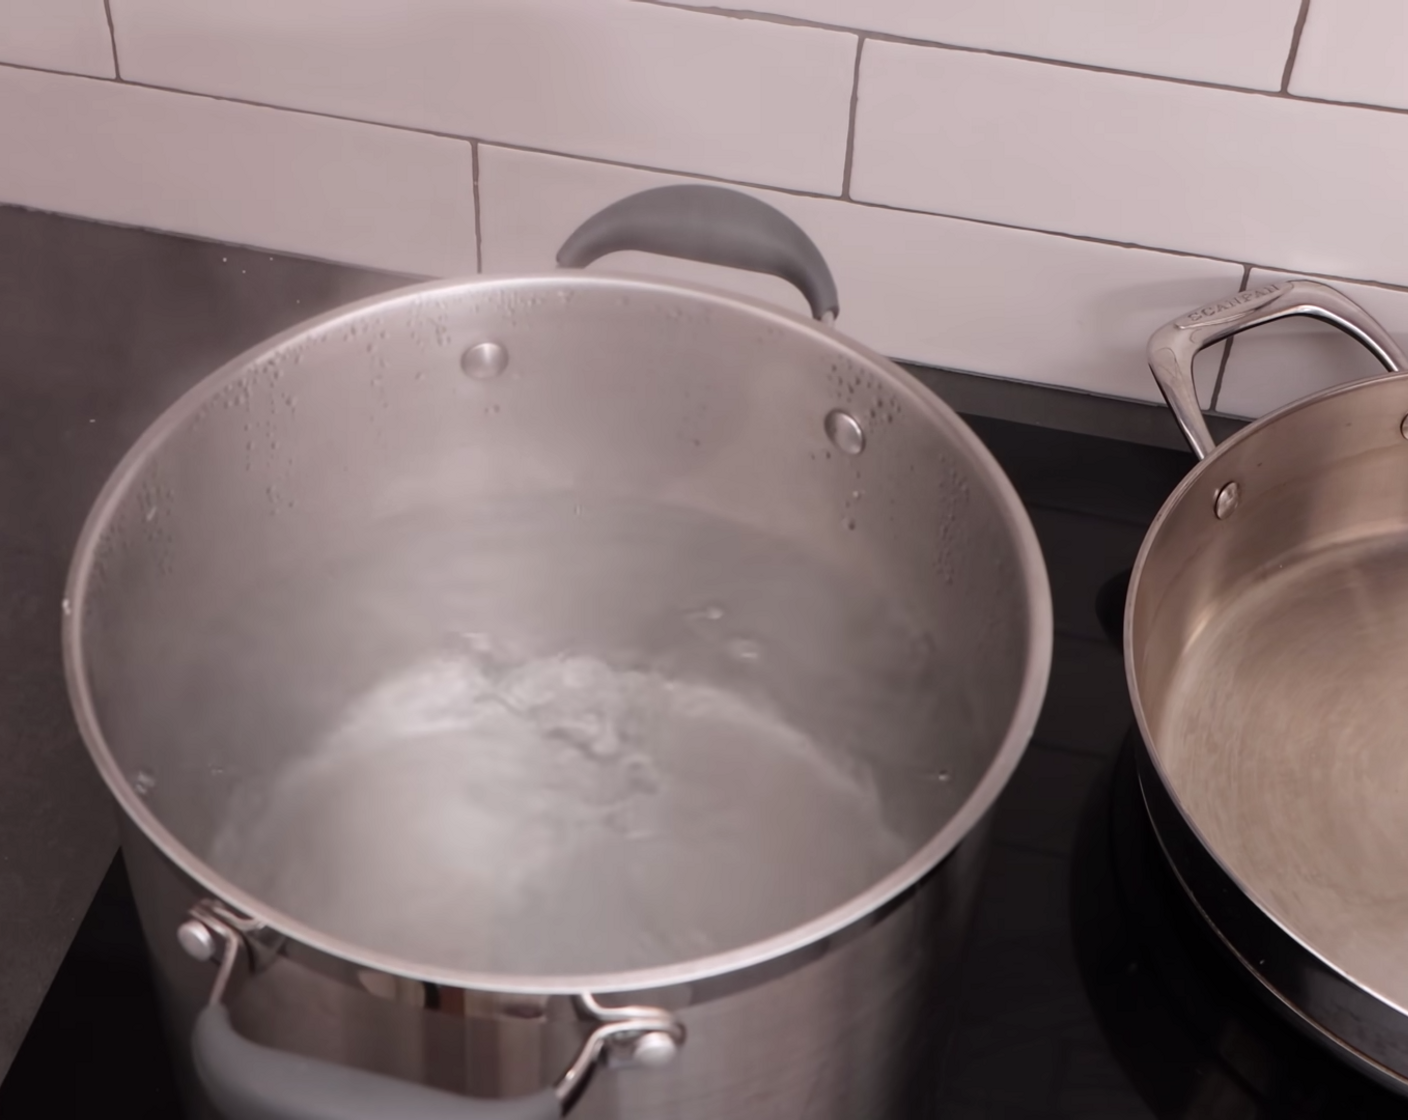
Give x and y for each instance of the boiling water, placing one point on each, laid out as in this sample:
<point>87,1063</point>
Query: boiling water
<point>557,740</point>
<point>559,813</point>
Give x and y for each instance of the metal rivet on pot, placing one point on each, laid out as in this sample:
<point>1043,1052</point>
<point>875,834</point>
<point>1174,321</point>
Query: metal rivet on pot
<point>1403,427</point>
<point>484,361</point>
<point>654,1049</point>
<point>844,431</point>
<point>195,937</point>
<point>1227,499</point>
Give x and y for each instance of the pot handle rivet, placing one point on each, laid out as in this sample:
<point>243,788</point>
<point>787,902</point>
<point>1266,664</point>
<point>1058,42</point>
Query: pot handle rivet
<point>1228,498</point>
<point>1403,428</point>
<point>654,1049</point>
<point>844,430</point>
<point>195,937</point>
<point>485,361</point>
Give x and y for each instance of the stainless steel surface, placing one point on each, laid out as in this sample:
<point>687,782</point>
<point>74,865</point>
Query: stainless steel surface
<point>158,313</point>
<point>161,311</point>
<point>1172,348</point>
<point>1267,659</point>
<point>618,389</point>
<point>448,447</point>
<point>850,1033</point>
<point>1299,985</point>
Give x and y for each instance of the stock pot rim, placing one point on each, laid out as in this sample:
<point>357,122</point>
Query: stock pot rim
<point>770,952</point>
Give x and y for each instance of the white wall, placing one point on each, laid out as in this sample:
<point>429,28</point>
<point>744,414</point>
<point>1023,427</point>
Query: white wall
<point>1023,188</point>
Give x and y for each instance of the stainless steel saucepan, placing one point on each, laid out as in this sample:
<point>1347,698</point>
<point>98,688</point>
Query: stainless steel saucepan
<point>504,679</point>
<point>1266,643</point>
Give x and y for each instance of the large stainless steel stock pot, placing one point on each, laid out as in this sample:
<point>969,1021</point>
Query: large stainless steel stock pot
<point>1266,643</point>
<point>508,679</point>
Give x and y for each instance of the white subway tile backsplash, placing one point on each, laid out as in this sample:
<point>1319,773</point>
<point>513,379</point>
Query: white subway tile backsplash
<point>70,35</point>
<point>950,293</point>
<point>352,192</point>
<point>1284,361</point>
<point>613,79</point>
<point>1354,50</point>
<point>1240,44</point>
<point>1233,175</point>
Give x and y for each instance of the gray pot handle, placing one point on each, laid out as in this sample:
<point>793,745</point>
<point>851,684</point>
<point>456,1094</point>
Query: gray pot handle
<point>713,225</point>
<point>247,1081</point>
<point>1173,346</point>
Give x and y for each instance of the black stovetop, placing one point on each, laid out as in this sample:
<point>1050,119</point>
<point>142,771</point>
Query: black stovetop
<point>1090,990</point>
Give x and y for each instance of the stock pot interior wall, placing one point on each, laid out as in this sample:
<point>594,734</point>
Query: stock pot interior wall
<point>610,388</point>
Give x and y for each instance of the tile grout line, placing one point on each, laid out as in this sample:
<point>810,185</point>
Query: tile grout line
<point>420,278</point>
<point>1295,47</point>
<point>1279,94</point>
<point>606,161</point>
<point>851,124</point>
<point>990,223</point>
<point>750,15</point>
<point>794,192</point>
<point>876,36</point>
<point>1227,350</point>
<point>478,222</point>
<point>112,38</point>
<point>936,44</point>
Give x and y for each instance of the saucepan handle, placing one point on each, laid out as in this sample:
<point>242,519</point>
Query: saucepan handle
<point>714,225</point>
<point>247,1081</point>
<point>1173,347</point>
